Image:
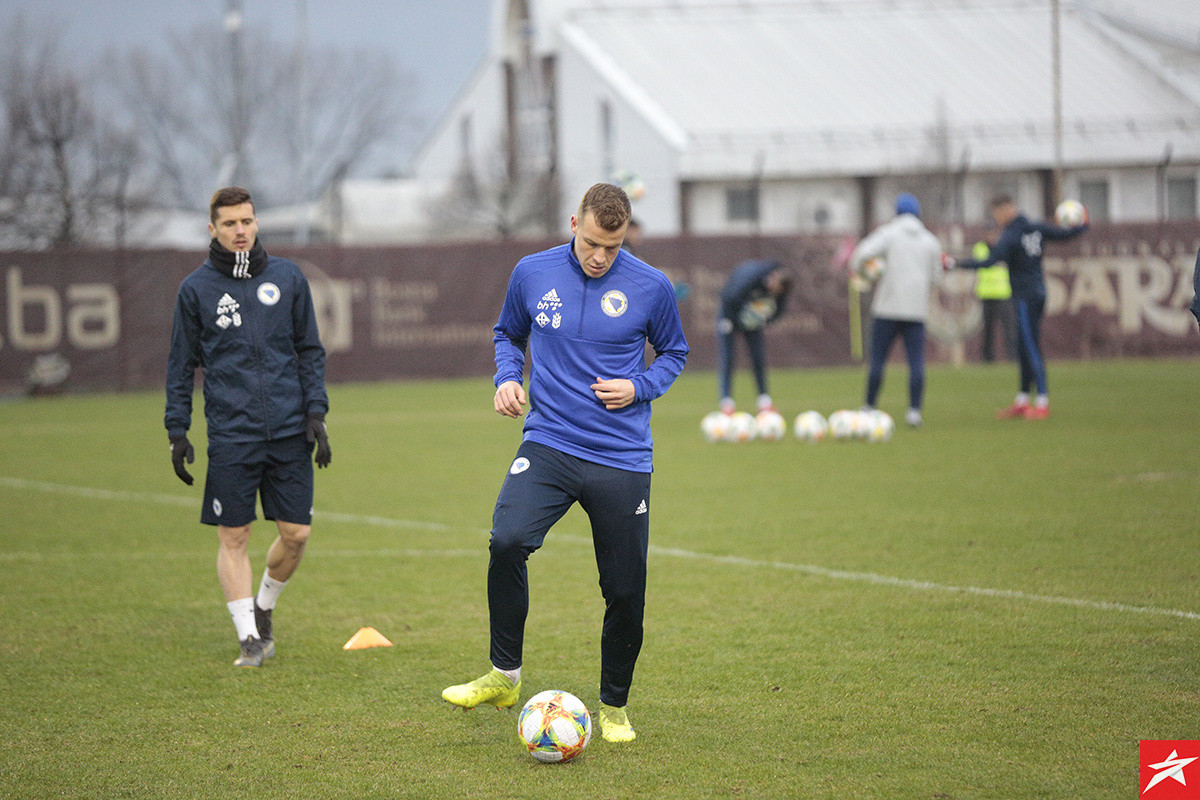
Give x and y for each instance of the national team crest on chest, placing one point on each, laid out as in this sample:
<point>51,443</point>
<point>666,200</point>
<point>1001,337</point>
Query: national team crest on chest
<point>614,303</point>
<point>269,294</point>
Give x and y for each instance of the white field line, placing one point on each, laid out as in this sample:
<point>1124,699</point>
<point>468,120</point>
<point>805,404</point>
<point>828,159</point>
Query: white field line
<point>671,552</point>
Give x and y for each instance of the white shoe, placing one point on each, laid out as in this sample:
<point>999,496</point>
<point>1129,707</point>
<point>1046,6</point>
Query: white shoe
<point>913,418</point>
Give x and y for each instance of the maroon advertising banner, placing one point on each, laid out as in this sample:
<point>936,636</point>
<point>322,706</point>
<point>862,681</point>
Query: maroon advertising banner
<point>427,311</point>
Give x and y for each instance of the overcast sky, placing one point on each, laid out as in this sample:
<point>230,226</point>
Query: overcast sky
<point>440,41</point>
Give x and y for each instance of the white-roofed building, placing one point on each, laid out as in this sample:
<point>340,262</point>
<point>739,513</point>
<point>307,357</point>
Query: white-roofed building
<point>780,116</point>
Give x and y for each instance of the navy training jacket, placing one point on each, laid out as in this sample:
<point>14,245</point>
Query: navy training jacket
<point>256,341</point>
<point>745,285</point>
<point>1020,247</point>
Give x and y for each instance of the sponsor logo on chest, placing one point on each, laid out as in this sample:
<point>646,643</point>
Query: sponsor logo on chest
<point>613,303</point>
<point>227,312</point>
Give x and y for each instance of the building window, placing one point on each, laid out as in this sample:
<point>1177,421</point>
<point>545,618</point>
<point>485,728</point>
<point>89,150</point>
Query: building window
<point>741,204</point>
<point>1181,198</point>
<point>1094,196</point>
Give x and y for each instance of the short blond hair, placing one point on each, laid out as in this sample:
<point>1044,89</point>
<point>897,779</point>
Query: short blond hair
<point>609,206</point>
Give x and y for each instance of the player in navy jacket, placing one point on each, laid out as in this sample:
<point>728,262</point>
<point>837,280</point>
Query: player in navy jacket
<point>246,320</point>
<point>1020,247</point>
<point>754,296</point>
<point>584,311</point>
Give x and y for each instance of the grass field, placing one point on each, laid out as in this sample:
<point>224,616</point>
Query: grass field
<point>975,609</point>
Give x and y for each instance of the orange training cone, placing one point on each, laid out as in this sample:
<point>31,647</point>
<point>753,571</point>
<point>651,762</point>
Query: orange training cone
<point>366,637</point>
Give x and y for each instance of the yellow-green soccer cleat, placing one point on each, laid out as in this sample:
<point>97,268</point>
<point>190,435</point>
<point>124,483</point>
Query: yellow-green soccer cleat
<point>614,724</point>
<point>493,689</point>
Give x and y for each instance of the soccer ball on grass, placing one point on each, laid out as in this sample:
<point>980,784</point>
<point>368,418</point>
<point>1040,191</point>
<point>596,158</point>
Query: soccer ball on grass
<point>810,426</point>
<point>741,427</point>
<point>555,726</point>
<point>715,426</point>
<point>844,424</point>
<point>879,425</point>
<point>769,425</point>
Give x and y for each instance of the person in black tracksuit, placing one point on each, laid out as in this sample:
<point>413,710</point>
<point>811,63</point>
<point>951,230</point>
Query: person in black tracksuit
<point>754,296</point>
<point>1020,246</point>
<point>246,320</point>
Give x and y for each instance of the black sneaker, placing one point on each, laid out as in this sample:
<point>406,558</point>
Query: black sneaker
<point>262,621</point>
<point>252,653</point>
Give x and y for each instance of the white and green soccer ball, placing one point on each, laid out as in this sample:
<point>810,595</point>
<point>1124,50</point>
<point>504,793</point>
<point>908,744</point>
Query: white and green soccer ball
<point>741,427</point>
<point>878,425</point>
<point>715,426</point>
<point>555,726</point>
<point>756,313</point>
<point>810,426</point>
<point>844,424</point>
<point>769,425</point>
<point>631,183</point>
<point>1070,214</point>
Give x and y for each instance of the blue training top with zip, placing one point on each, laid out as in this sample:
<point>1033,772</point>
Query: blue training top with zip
<point>256,341</point>
<point>577,329</point>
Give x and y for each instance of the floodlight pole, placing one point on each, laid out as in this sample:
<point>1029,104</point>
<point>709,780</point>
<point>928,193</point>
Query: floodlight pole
<point>1056,81</point>
<point>302,230</point>
<point>234,22</point>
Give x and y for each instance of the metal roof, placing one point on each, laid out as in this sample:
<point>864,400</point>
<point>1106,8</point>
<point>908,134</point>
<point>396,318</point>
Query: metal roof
<point>894,86</point>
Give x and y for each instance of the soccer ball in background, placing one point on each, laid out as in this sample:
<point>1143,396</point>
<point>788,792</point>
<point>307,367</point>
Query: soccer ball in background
<point>769,425</point>
<point>555,726</point>
<point>844,424</point>
<point>756,313</point>
<point>741,427</point>
<point>871,269</point>
<point>862,423</point>
<point>715,426</point>
<point>878,425</point>
<point>1070,214</point>
<point>810,426</point>
<point>631,183</point>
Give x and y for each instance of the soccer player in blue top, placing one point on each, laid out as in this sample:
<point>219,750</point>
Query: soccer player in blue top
<point>1020,246</point>
<point>585,311</point>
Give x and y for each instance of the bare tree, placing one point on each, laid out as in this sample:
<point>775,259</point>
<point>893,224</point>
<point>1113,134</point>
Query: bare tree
<point>217,108</point>
<point>55,151</point>
<point>26,56</point>
<point>497,200</point>
<point>59,120</point>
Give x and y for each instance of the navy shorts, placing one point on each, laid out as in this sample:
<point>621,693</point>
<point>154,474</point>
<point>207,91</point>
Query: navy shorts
<point>280,471</point>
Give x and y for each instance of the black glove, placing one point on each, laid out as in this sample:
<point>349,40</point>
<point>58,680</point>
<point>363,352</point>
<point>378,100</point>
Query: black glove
<point>314,431</point>
<point>181,450</point>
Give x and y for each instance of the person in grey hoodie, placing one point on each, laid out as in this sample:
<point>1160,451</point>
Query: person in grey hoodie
<point>905,259</point>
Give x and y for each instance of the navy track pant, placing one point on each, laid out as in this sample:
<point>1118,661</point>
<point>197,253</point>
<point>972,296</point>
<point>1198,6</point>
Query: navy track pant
<point>883,335</point>
<point>727,356</point>
<point>541,485</point>
<point>1029,337</point>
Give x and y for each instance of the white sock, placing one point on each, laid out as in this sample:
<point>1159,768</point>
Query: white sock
<point>242,611</point>
<point>513,675</point>
<point>1022,398</point>
<point>268,592</point>
<point>1043,401</point>
<point>764,402</point>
